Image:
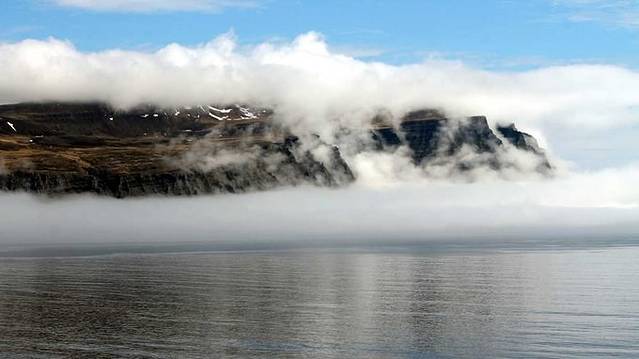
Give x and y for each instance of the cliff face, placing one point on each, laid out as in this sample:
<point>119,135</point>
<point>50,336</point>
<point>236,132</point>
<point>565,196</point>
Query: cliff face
<point>290,169</point>
<point>428,135</point>
<point>432,137</point>
<point>76,148</point>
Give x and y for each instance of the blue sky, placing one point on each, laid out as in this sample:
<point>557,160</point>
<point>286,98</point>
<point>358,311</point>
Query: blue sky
<point>495,34</point>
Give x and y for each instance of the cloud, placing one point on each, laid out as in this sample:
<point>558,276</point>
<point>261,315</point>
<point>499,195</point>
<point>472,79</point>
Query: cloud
<point>621,13</point>
<point>322,91</point>
<point>305,76</point>
<point>420,210</point>
<point>155,5</point>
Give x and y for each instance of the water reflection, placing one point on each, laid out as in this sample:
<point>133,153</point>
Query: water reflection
<point>322,304</point>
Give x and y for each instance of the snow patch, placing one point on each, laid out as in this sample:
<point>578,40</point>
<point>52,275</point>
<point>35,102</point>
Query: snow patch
<point>247,114</point>
<point>12,126</point>
<point>217,117</point>
<point>226,110</point>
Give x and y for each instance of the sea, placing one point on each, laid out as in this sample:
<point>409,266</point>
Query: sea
<point>551,299</point>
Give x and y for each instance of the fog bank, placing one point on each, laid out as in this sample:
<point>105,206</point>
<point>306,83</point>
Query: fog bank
<point>598,203</point>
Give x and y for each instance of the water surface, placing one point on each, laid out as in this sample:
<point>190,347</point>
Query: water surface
<point>421,303</point>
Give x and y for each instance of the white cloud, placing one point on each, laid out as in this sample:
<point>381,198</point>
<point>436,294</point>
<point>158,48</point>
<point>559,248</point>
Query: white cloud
<point>304,75</point>
<point>323,91</point>
<point>155,5</point>
<point>598,203</point>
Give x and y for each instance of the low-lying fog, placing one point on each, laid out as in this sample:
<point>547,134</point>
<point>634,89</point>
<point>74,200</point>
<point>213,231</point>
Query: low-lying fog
<point>588,204</point>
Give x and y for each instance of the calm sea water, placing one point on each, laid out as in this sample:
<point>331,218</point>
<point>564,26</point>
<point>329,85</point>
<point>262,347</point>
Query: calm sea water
<point>555,303</point>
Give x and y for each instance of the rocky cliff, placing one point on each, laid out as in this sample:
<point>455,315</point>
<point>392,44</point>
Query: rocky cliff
<point>59,148</point>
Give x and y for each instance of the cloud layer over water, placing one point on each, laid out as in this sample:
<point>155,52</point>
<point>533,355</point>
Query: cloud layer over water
<point>602,203</point>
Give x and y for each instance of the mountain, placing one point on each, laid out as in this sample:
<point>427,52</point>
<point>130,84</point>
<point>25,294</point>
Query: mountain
<point>57,148</point>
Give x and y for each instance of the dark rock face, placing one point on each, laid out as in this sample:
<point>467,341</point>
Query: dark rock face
<point>225,180</point>
<point>525,142</point>
<point>432,137</point>
<point>291,168</point>
<point>78,148</point>
<point>519,139</point>
<point>429,135</point>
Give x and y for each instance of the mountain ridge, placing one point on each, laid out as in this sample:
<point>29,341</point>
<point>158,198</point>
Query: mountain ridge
<point>58,148</point>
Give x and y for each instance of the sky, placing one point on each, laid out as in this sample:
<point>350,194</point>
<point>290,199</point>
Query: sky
<point>495,34</point>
